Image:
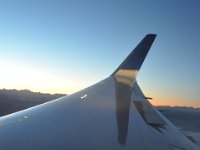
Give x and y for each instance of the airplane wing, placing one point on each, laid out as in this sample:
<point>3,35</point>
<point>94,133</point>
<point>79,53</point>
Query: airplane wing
<point>112,114</point>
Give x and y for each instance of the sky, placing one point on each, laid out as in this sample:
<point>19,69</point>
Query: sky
<point>62,46</point>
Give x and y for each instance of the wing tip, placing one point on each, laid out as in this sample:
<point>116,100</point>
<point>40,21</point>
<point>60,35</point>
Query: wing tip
<point>151,34</point>
<point>136,58</point>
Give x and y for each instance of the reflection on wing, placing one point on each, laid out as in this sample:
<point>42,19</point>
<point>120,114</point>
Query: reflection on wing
<point>124,81</point>
<point>123,96</point>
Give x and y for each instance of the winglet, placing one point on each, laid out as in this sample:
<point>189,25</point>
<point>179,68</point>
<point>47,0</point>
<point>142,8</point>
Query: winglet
<point>136,58</point>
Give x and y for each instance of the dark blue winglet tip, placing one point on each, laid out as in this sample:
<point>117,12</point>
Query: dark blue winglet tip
<point>136,58</point>
<point>151,34</point>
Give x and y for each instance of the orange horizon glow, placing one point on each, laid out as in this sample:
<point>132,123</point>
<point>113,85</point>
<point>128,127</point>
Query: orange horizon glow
<point>162,98</point>
<point>20,77</point>
<point>175,102</point>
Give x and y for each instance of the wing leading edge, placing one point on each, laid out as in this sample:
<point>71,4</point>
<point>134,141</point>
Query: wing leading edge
<point>112,114</point>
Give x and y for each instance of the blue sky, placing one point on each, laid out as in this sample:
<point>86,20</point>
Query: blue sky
<point>61,46</point>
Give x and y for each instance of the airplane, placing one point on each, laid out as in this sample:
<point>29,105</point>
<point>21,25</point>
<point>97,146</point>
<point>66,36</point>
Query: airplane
<point>112,114</point>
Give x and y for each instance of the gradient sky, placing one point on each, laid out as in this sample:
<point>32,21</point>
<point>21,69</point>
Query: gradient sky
<point>62,46</point>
